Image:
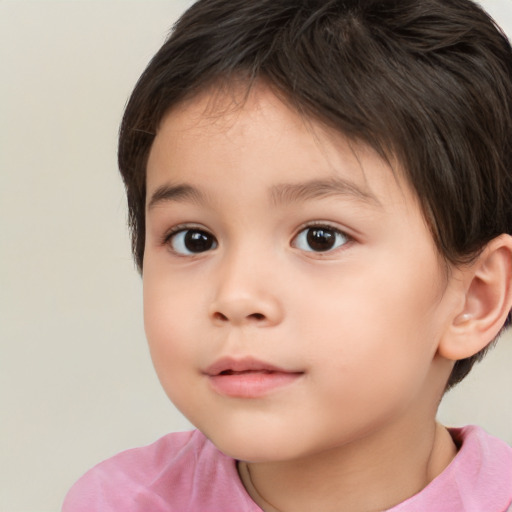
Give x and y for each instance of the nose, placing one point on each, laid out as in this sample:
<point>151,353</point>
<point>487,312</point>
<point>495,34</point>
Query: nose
<point>246,295</point>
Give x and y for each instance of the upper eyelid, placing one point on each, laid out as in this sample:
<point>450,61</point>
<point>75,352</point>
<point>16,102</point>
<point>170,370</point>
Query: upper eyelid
<point>326,224</point>
<point>192,225</point>
<point>178,228</point>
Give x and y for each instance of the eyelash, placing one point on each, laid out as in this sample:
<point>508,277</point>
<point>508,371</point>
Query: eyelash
<point>212,243</point>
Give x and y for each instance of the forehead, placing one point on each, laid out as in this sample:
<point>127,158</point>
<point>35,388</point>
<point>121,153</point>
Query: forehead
<point>251,130</point>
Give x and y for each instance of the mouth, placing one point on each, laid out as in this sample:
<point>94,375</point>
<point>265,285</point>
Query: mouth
<point>244,372</point>
<point>248,377</point>
<point>230,366</point>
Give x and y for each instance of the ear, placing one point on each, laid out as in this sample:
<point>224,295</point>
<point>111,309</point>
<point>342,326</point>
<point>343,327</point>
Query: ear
<point>487,300</point>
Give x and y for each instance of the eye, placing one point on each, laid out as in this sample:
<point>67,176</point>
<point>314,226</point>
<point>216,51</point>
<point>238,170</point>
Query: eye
<point>319,239</point>
<point>191,241</point>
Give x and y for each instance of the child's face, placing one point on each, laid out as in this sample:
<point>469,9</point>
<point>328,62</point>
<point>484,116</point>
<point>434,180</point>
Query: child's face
<point>297,252</point>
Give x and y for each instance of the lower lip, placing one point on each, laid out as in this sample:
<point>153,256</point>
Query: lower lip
<point>251,384</point>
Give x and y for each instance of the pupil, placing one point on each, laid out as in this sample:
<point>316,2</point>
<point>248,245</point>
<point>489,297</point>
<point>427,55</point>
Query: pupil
<point>321,239</point>
<point>198,241</point>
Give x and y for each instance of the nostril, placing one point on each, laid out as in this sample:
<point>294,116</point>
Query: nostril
<point>220,316</point>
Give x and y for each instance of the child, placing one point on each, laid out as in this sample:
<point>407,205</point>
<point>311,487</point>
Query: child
<point>320,197</point>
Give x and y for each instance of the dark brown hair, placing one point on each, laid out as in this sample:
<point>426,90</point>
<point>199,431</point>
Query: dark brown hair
<point>428,82</point>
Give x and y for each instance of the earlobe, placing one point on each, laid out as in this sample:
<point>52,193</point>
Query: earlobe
<point>487,301</point>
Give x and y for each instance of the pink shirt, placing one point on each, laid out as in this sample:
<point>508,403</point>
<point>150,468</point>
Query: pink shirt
<point>184,472</point>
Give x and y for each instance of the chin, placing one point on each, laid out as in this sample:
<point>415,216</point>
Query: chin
<point>255,446</point>
<point>246,445</point>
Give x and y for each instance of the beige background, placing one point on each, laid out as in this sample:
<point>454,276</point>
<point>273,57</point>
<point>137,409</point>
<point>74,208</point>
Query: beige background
<point>76,382</point>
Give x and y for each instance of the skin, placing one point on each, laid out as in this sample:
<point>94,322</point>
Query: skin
<point>361,324</point>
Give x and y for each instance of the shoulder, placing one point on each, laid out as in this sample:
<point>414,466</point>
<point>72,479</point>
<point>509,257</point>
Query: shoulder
<point>171,474</point>
<point>479,478</point>
<point>484,461</point>
<point>482,468</point>
<point>476,442</point>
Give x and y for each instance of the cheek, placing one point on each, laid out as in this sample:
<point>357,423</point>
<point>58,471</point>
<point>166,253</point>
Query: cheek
<point>173,350</point>
<point>166,324</point>
<point>376,332</point>
<point>171,301</point>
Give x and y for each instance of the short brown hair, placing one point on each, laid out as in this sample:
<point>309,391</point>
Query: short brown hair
<point>428,82</point>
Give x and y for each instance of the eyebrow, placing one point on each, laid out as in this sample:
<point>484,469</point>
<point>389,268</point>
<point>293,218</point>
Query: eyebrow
<point>321,188</point>
<point>280,194</point>
<point>180,192</point>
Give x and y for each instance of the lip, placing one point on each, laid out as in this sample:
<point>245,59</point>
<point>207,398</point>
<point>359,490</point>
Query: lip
<point>248,377</point>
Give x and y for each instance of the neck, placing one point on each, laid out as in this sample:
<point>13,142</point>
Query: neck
<point>371,474</point>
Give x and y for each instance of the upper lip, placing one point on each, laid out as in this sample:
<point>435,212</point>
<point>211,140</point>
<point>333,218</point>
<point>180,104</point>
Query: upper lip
<point>245,364</point>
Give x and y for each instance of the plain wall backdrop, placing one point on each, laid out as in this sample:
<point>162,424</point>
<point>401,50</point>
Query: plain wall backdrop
<point>76,380</point>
